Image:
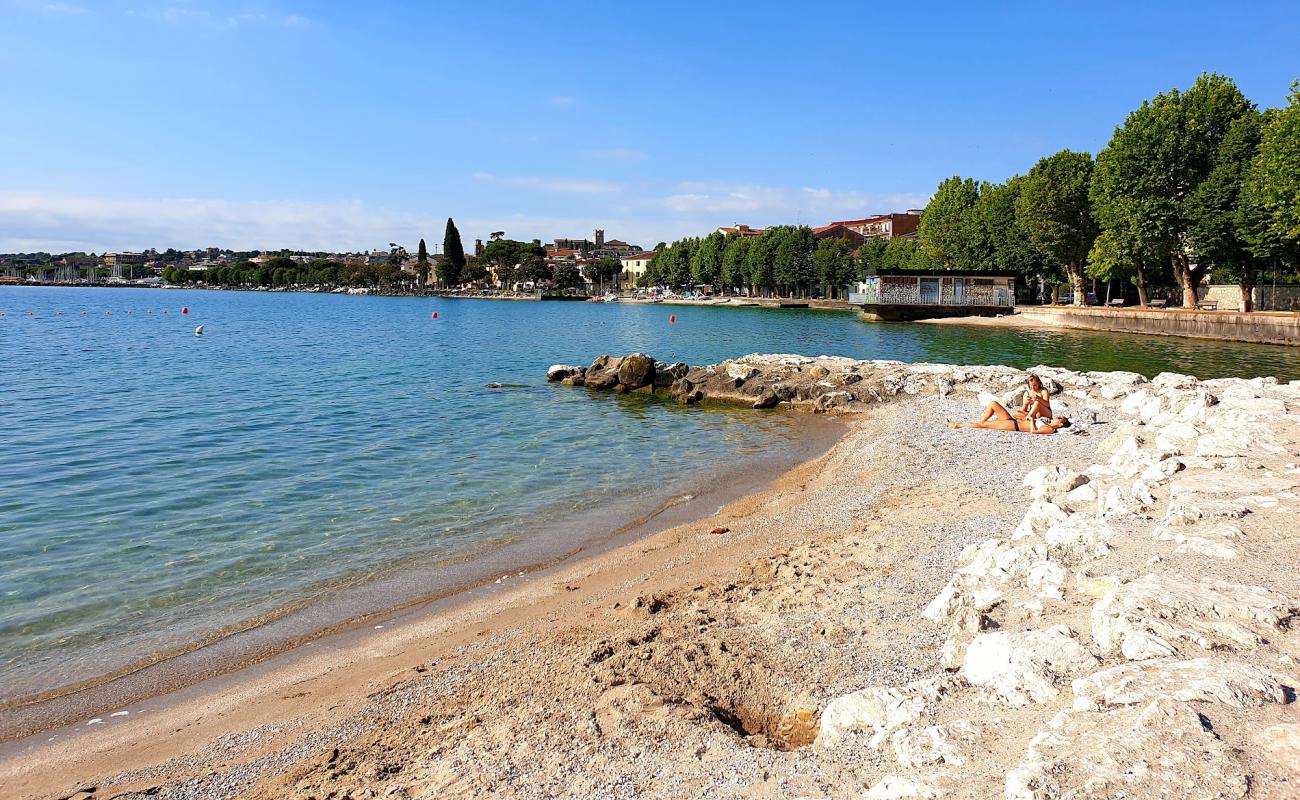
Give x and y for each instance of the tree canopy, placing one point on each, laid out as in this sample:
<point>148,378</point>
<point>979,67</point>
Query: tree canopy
<point>1054,211</point>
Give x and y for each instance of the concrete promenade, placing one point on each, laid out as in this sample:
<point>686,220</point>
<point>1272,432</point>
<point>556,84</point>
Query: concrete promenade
<point>1262,327</point>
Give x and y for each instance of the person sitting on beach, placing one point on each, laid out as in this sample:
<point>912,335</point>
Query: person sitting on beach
<point>997,418</point>
<point>1038,401</point>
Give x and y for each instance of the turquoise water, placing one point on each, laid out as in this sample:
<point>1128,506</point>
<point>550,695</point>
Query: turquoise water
<point>156,487</point>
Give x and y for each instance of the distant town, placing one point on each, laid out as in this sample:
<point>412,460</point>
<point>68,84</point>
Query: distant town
<point>590,264</point>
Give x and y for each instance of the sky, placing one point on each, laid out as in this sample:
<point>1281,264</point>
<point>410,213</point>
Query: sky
<point>345,126</point>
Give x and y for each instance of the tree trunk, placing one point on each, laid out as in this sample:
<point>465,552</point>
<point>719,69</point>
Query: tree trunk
<point>1078,284</point>
<point>1186,278</point>
<point>1142,287</point>
<point>1247,297</point>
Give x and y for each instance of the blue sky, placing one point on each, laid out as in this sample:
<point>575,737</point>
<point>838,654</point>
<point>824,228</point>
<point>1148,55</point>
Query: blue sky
<point>348,125</point>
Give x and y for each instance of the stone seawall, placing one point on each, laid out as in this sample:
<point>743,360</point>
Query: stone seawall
<point>1256,327</point>
<point>1142,616</point>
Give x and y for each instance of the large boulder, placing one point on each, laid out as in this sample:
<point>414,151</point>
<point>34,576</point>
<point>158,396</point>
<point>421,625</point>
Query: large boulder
<point>1024,667</point>
<point>1162,749</point>
<point>1210,680</point>
<point>1157,616</point>
<point>636,370</point>
<point>879,711</point>
<point>558,372</point>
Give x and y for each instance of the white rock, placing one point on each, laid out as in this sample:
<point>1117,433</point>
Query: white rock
<point>1160,750</point>
<point>1041,515</point>
<point>1052,481</point>
<point>1080,537</point>
<point>878,710</point>
<point>1081,497</point>
<point>1023,667</point>
<point>1177,438</point>
<point>934,744</point>
<point>1216,680</point>
<point>1045,579</point>
<point>1154,616</point>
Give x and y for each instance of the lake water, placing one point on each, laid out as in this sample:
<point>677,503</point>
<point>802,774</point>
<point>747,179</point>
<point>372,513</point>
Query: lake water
<point>158,488</point>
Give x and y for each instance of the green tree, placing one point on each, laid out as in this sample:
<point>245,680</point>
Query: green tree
<point>474,272</point>
<point>734,258</point>
<point>1217,218</point>
<point>534,268</point>
<point>833,261</point>
<point>706,263</point>
<point>677,265</point>
<point>1154,164</point>
<point>603,270</point>
<point>1055,212</point>
<point>1010,249</point>
<point>1118,254</point>
<point>792,262</point>
<point>1270,192</point>
<point>762,260</point>
<point>871,254</point>
<point>422,265</point>
<point>950,231</point>
<point>567,276</point>
<point>452,262</point>
<point>506,254</point>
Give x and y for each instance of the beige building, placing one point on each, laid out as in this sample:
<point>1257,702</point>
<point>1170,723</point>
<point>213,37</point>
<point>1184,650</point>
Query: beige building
<point>634,266</point>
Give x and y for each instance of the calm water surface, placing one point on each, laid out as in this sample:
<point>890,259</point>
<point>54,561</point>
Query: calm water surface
<point>156,486</point>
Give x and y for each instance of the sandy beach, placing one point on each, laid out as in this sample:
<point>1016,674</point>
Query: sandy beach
<point>819,644</point>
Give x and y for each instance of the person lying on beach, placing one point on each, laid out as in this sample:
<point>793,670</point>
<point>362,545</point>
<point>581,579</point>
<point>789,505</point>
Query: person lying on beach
<point>1038,401</point>
<point>997,418</point>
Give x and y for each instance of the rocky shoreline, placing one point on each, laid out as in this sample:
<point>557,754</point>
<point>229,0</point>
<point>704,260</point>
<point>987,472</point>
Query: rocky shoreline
<point>920,613</point>
<point>1148,602</point>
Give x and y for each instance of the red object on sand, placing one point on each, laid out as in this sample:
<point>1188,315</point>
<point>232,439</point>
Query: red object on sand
<point>720,530</point>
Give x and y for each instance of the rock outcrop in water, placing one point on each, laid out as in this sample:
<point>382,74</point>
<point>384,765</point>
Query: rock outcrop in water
<point>1141,680</point>
<point>821,383</point>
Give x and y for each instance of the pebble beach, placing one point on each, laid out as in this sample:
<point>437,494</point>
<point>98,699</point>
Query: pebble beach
<point>920,612</point>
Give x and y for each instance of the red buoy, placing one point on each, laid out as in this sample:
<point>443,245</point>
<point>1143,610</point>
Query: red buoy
<point>434,316</point>
<point>672,317</point>
<point>185,310</point>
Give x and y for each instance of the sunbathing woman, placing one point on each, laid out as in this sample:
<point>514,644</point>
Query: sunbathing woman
<point>1038,401</point>
<point>997,418</point>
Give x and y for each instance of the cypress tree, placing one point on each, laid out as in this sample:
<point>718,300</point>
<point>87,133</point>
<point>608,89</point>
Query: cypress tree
<point>422,265</point>
<point>453,255</point>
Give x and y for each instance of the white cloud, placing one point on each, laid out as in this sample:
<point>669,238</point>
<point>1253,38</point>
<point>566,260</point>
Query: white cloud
<point>63,222</point>
<point>562,100</point>
<point>776,204</point>
<point>576,185</point>
<point>295,21</point>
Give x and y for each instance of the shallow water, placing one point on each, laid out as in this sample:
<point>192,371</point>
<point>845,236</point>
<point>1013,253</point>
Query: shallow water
<point>156,486</point>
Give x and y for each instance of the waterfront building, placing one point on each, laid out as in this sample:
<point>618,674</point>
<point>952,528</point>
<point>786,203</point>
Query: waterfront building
<point>838,230</point>
<point>883,226</point>
<point>742,230</point>
<point>926,294</point>
<point>634,266</point>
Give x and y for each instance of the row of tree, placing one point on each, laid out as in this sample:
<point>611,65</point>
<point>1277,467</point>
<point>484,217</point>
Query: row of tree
<point>1192,183</point>
<point>787,260</point>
